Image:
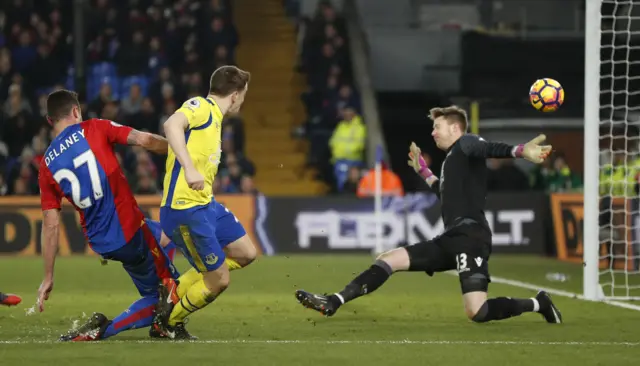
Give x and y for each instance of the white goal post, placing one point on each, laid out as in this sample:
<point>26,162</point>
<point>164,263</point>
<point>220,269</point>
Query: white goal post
<point>610,245</point>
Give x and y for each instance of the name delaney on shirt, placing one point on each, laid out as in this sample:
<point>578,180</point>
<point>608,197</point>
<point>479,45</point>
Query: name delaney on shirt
<point>54,152</point>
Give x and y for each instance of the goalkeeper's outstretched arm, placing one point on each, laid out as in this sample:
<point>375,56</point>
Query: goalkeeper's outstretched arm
<point>475,146</point>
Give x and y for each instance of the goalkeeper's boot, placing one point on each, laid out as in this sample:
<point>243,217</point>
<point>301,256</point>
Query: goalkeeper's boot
<point>549,311</point>
<point>9,299</point>
<point>92,330</point>
<point>324,304</point>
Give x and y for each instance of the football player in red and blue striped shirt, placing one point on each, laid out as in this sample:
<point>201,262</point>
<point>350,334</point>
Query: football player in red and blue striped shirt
<point>81,166</point>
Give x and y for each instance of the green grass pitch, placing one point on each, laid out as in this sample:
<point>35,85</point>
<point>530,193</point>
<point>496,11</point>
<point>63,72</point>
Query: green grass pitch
<point>412,320</point>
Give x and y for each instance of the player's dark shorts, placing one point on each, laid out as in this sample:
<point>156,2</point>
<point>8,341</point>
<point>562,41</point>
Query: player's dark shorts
<point>144,260</point>
<point>465,248</point>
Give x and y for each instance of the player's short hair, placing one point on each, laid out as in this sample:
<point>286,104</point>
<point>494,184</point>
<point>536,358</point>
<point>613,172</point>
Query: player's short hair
<point>60,103</point>
<point>228,79</point>
<point>453,114</point>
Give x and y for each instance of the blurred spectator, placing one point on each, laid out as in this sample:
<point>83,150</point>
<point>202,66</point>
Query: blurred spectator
<point>247,186</point>
<point>232,128</point>
<point>146,119</point>
<point>391,185</point>
<point>347,145</point>
<point>350,186</point>
<point>324,58</point>
<point>132,58</point>
<point>4,190</point>
<point>504,175</point>
<point>554,175</point>
<point>146,185</point>
<point>132,103</point>
<point>105,96</point>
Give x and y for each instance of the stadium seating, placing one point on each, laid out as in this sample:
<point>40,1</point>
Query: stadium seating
<point>325,62</point>
<point>166,48</point>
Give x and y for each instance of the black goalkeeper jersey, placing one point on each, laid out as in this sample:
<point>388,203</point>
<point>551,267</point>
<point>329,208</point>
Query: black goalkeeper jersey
<point>462,187</point>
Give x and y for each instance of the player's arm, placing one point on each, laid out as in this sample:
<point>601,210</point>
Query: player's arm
<point>174,128</point>
<point>125,135</point>
<point>50,242</point>
<point>150,141</point>
<point>50,200</point>
<point>476,147</point>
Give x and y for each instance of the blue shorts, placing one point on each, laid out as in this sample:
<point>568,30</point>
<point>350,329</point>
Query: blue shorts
<point>201,233</point>
<point>144,260</point>
<point>228,228</point>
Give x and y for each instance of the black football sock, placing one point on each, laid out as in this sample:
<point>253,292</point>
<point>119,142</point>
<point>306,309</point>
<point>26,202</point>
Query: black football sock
<point>2,296</point>
<point>366,282</point>
<point>504,308</point>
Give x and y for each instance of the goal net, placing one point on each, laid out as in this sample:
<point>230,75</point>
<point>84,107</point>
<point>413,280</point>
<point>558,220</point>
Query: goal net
<point>612,150</point>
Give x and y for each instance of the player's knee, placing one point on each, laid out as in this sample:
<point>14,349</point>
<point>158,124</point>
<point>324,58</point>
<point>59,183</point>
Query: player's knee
<point>249,253</point>
<point>242,251</point>
<point>397,259</point>
<point>478,315</point>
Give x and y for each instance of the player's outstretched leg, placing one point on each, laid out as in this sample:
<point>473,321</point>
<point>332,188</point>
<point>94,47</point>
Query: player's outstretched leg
<point>9,299</point>
<point>481,310</point>
<point>365,283</point>
<point>139,315</point>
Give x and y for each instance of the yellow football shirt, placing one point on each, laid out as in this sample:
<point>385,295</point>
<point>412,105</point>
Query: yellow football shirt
<point>203,139</point>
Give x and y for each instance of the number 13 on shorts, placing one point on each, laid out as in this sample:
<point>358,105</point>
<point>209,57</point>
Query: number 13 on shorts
<point>461,263</point>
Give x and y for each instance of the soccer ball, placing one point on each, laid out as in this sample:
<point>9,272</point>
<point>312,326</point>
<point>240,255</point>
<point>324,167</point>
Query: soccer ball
<point>546,95</point>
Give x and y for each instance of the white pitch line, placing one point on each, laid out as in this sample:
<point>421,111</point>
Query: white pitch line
<point>553,291</point>
<point>351,342</point>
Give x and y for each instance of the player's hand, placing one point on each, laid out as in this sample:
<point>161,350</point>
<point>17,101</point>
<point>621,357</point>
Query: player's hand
<point>417,162</point>
<point>43,292</point>
<point>534,151</point>
<point>194,179</point>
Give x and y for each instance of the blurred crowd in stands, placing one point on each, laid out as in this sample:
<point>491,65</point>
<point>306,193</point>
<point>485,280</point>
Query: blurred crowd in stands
<point>334,126</point>
<point>144,58</point>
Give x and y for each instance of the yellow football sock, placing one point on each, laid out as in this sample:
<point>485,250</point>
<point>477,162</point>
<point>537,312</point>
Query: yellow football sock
<point>187,280</point>
<point>232,264</point>
<point>191,276</point>
<point>197,297</point>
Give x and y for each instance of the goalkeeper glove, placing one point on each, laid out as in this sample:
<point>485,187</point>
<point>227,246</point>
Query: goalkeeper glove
<point>417,162</point>
<point>532,150</point>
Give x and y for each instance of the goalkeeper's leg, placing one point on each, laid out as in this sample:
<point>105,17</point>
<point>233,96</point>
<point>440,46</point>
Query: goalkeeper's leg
<point>472,256</point>
<point>363,284</point>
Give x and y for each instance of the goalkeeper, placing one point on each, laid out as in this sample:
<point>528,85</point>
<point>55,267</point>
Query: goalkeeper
<point>466,243</point>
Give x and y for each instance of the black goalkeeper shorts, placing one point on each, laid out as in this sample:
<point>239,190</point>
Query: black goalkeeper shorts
<point>465,248</point>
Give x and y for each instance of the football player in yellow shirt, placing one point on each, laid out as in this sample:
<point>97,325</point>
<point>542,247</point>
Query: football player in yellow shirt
<point>189,213</point>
